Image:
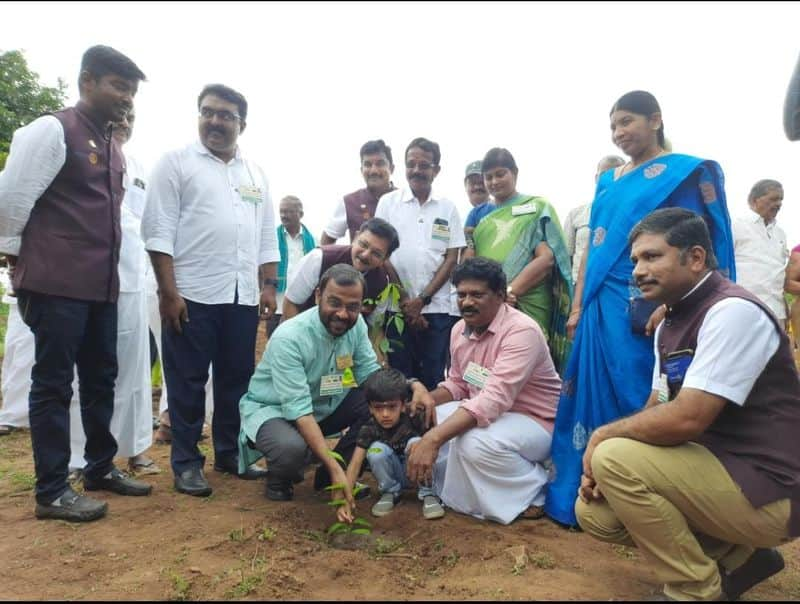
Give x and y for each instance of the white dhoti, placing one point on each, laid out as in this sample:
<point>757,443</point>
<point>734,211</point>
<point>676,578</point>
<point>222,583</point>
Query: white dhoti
<point>493,473</point>
<point>132,421</point>
<point>16,372</point>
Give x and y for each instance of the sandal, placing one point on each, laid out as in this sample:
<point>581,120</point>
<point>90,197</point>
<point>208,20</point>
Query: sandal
<point>6,429</point>
<point>141,464</point>
<point>533,512</point>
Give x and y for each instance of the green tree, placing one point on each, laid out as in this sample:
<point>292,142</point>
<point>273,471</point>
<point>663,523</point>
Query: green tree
<point>22,97</point>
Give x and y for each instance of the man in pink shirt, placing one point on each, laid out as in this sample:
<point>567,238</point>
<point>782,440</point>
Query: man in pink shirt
<point>495,411</point>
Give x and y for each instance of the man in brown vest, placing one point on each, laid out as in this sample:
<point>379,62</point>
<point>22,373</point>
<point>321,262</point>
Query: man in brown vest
<point>60,197</point>
<point>706,478</point>
<point>359,206</point>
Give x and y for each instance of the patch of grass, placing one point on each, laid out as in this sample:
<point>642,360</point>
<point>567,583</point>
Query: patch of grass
<point>624,552</point>
<point>180,587</point>
<point>22,481</point>
<point>236,535</point>
<point>244,587</point>
<point>317,536</point>
<point>386,546</point>
<point>542,560</point>
<point>267,534</point>
<point>205,450</point>
<point>438,545</point>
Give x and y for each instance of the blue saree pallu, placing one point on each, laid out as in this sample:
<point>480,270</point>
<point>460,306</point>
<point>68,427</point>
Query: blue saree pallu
<point>609,372</point>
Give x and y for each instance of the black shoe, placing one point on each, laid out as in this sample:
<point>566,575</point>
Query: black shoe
<point>279,491</point>
<point>117,482</point>
<point>192,482</point>
<point>72,507</point>
<point>760,566</point>
<point>231,466</point>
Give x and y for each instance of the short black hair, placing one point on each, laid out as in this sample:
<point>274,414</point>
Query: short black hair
<point>681,228</point>
<point>643,103</point>
<point>497,157</point>
<point>427,146</point>
<point>482,269</point>
<point>386,385</point>
<point>102,60</point>
<point>374,147</point>
<point>342,274</point>
<point>226,93</point>
<point>380,228</point>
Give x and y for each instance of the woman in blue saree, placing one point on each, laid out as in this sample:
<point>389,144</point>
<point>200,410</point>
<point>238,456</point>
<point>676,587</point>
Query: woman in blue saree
<point>609,372</point>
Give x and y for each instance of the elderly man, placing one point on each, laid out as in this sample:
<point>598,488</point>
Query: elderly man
<point>60,196</point>
<point>359,206</point>
<point>576,224</point>
<point>306,387</point>
<point>294,242</point>
<point>374,243</point>
<point>760,247</point>
<point>706,477</point>
<point>210,231</point>
<point>430,239</point>
<point>492,444</point>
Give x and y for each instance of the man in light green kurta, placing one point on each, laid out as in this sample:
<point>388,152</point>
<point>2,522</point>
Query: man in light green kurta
<point>306,388</point>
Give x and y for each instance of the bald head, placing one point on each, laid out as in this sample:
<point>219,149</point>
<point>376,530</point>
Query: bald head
<point>607,163</point>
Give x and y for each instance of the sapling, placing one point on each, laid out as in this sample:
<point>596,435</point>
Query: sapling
<point>359,526</point>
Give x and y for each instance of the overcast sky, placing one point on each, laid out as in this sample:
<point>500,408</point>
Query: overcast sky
<point>537,78</point>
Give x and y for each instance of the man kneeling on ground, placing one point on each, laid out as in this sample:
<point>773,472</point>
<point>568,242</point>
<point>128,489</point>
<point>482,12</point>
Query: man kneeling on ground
<point>705,478</point>
<point>306,388</point>
<point>491,443</point>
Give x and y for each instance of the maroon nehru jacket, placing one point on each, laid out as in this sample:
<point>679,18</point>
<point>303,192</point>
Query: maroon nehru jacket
<point>757,442</point>
<point>359,206</point>
<point>376,280</point>
<point>70,245</point>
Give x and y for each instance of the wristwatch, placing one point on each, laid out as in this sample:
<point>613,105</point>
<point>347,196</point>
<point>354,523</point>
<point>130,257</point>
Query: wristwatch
<point>426,299</point>
<point>272,282</point>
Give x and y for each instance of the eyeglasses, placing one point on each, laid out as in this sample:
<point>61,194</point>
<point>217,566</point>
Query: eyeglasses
<point>377,254</point>
<point>352,309</point>
<point>207,113</point>
<point>422,165</point>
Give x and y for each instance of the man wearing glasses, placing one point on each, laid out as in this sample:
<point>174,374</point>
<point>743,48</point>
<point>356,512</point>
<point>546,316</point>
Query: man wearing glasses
<point>431,236</point>
<point>372,246</point>
<point>306,388</point>
<point>210,230</point>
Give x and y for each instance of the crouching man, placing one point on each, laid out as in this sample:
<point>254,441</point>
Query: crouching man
<point>705,478</point>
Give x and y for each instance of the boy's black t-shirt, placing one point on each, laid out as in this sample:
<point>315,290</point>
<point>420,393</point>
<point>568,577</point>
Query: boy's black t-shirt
<point>396,437</point>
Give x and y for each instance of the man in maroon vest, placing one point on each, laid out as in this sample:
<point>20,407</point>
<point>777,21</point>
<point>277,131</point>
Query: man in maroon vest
<point>359,206</point>
<point>373,244</point>
<point>60,196</point>
<point>706,478</point>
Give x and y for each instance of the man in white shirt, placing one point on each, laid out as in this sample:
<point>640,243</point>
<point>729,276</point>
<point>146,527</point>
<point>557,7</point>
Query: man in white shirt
<point>576,224</point>
<point>294,242</point>
<point>760,247</point>
<point>210,230</point>
<point>430,239</point>
<point>359,206</point>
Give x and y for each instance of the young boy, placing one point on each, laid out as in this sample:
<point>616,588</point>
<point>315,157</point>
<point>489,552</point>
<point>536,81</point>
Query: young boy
<point>384,441</point>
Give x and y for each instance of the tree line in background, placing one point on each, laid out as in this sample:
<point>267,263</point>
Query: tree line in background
<point>22,97</point>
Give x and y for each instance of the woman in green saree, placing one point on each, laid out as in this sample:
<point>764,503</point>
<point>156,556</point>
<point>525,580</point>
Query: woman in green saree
<point>523,234</point>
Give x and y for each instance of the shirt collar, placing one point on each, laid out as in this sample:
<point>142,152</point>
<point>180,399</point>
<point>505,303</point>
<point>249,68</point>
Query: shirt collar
<point>494,326</point>
<point>756,218</point>
<point>407,195</point>
<point>203,150</point>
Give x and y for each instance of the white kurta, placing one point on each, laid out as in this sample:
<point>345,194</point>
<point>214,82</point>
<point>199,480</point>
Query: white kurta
<point>16,372</point>
<point>493,473</point>
<point>132,422</point>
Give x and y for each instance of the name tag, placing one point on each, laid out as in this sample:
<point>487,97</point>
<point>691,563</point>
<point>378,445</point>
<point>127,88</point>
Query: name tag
<point>663,389</point>
<point>441,232</point>
<point>476,375</point>
<point>344,361</point>
<point>525,208</point>
<point>331,384</point>
<point>251,194</point>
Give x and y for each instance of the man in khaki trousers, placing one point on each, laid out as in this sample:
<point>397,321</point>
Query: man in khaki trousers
<point>705,479</point>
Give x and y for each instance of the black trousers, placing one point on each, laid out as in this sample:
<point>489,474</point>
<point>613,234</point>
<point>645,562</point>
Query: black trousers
<point>69,332</point>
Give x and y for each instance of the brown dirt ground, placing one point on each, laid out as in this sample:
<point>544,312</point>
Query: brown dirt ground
<point>238,545</point>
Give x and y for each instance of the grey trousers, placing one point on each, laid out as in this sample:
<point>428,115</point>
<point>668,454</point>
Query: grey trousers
<point>287,452</point>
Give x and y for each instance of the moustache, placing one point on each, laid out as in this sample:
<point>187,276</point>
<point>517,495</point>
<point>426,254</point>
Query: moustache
<point>469,309</point>
<point>215,129</point>
<point>640,282</point>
